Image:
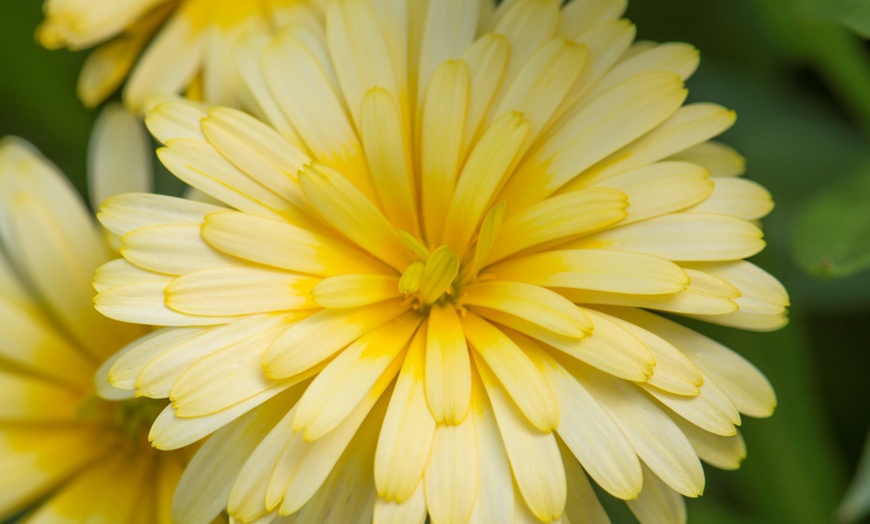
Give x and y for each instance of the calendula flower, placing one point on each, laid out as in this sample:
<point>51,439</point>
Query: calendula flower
<point>78,457</point>
<point>431,286</point>
<point>185,45</point>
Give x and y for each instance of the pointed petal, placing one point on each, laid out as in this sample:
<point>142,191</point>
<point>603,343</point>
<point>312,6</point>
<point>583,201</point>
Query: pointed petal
<point>448,366</point>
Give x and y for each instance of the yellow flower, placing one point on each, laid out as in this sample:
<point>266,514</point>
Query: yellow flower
<point>78,457</point>
<point>188,44</point>
<point>429,287</point>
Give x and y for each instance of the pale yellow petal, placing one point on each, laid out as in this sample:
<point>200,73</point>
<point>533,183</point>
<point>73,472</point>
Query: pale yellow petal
<point>722,452</point>
<point>295,76</point>
<point>343,383</point>
<point>405,437</point>
<point>280,244</point>
<point>217,463</point>
<point>346,291</point>
<point>441,135</point>
<point>353,214</point>
<point>559,218</point>
<point>609,347</point>
<point>542,84</point>
<point>119,155</point>
<point>411,511</point>
<point>487,61</point>
<point>201,389</point>
<point>721,160</point>
<point>495,495</point>
<point>480,179</point>
<point>736,197</point>
<point>613,120</point>
<point>711,410</point>
<point>239,291</point>
<point>533,454</point>
<point>172,249</point>
<point>705,294</point>
<point>683,237</point>
<point>657,502</point>
<point>526,24</point>
<point>744,383</point>
<point>583,506</point>
<point>388,152</point>
<point>595,270</point>
<point>579,16</point>
<point>175,119</point>
<point>167,65</point>
<point>452,477</point>
<point>515,372</point>
<point>657,440</point>
<point>760,292</point>
<point>659,188</point>
<point>448,366</point>
<point>588,430</point>
<point>124,213</point>
<point>30,399</point>
<point>200,165</point>
<point>145,303</point>
<point>675,57</point>
<point>533,303</point>
<point>319,336</point>
<point>449,31</point>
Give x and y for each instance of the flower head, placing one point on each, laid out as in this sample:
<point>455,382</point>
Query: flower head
<point>78,456</point>
<point>185,45</point>
<point>429,288</point>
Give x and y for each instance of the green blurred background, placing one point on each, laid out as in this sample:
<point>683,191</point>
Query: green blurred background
<point>798,74</point>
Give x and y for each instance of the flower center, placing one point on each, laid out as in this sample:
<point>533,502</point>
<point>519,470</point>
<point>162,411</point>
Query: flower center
<point>132,417</point>
<point>428,280</point>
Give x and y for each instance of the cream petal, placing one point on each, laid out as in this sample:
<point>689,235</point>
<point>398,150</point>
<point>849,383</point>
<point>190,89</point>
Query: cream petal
<point>352,214</point>
<point>583,506</point>
<point>533,454</point>
<point>515,371</point>
<point>487,60</point>
<point>441,136</point>
<point>705,294</point>
<point>447,366</point>
<point>280,244</point>
<point>655,438</point>
<point>122,214</point>
<point>239,291</point>
<point>657,502</point>
<point>449,30</point>
<point>526,24</point>
<point>451,478</point>
<point>335,391</point>
<point>172,249</point>
<point>388,153</point>
<point>129,361</point>
<point>711,410</point>
<point>578,16</point>
<point>217,463</point>
<point>320,335</point>
<point>736,197</point>
<point>29,399</point>
<point>201,389</point>
<point>347,291</point>
<point>742,382</point>
<point>686,127</point>
<point>660,188</point>
<point>760,292</point>
<point>200,165</point>
<point>595,270</point>
<point>723,452</point>
<point>119,155</point>
<point>588,431</point>
<point>720,160</point>
<point>167,65</point>
<point>535,304</point>
<point>572,146</point>
<point>405,438</point>
<point>682,237</point>
<point>411,511</point>
<point>145,303</point>
<point>175,119</point>
<point>495,500</point>
<point>556,218</point>
<point>484,171</point>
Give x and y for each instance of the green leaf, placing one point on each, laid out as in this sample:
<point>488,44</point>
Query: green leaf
<point>832,235</point>
<point>856,503</point>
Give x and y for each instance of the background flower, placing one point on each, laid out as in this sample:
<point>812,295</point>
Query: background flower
<point>62,448</point>
<point>165,46</point>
